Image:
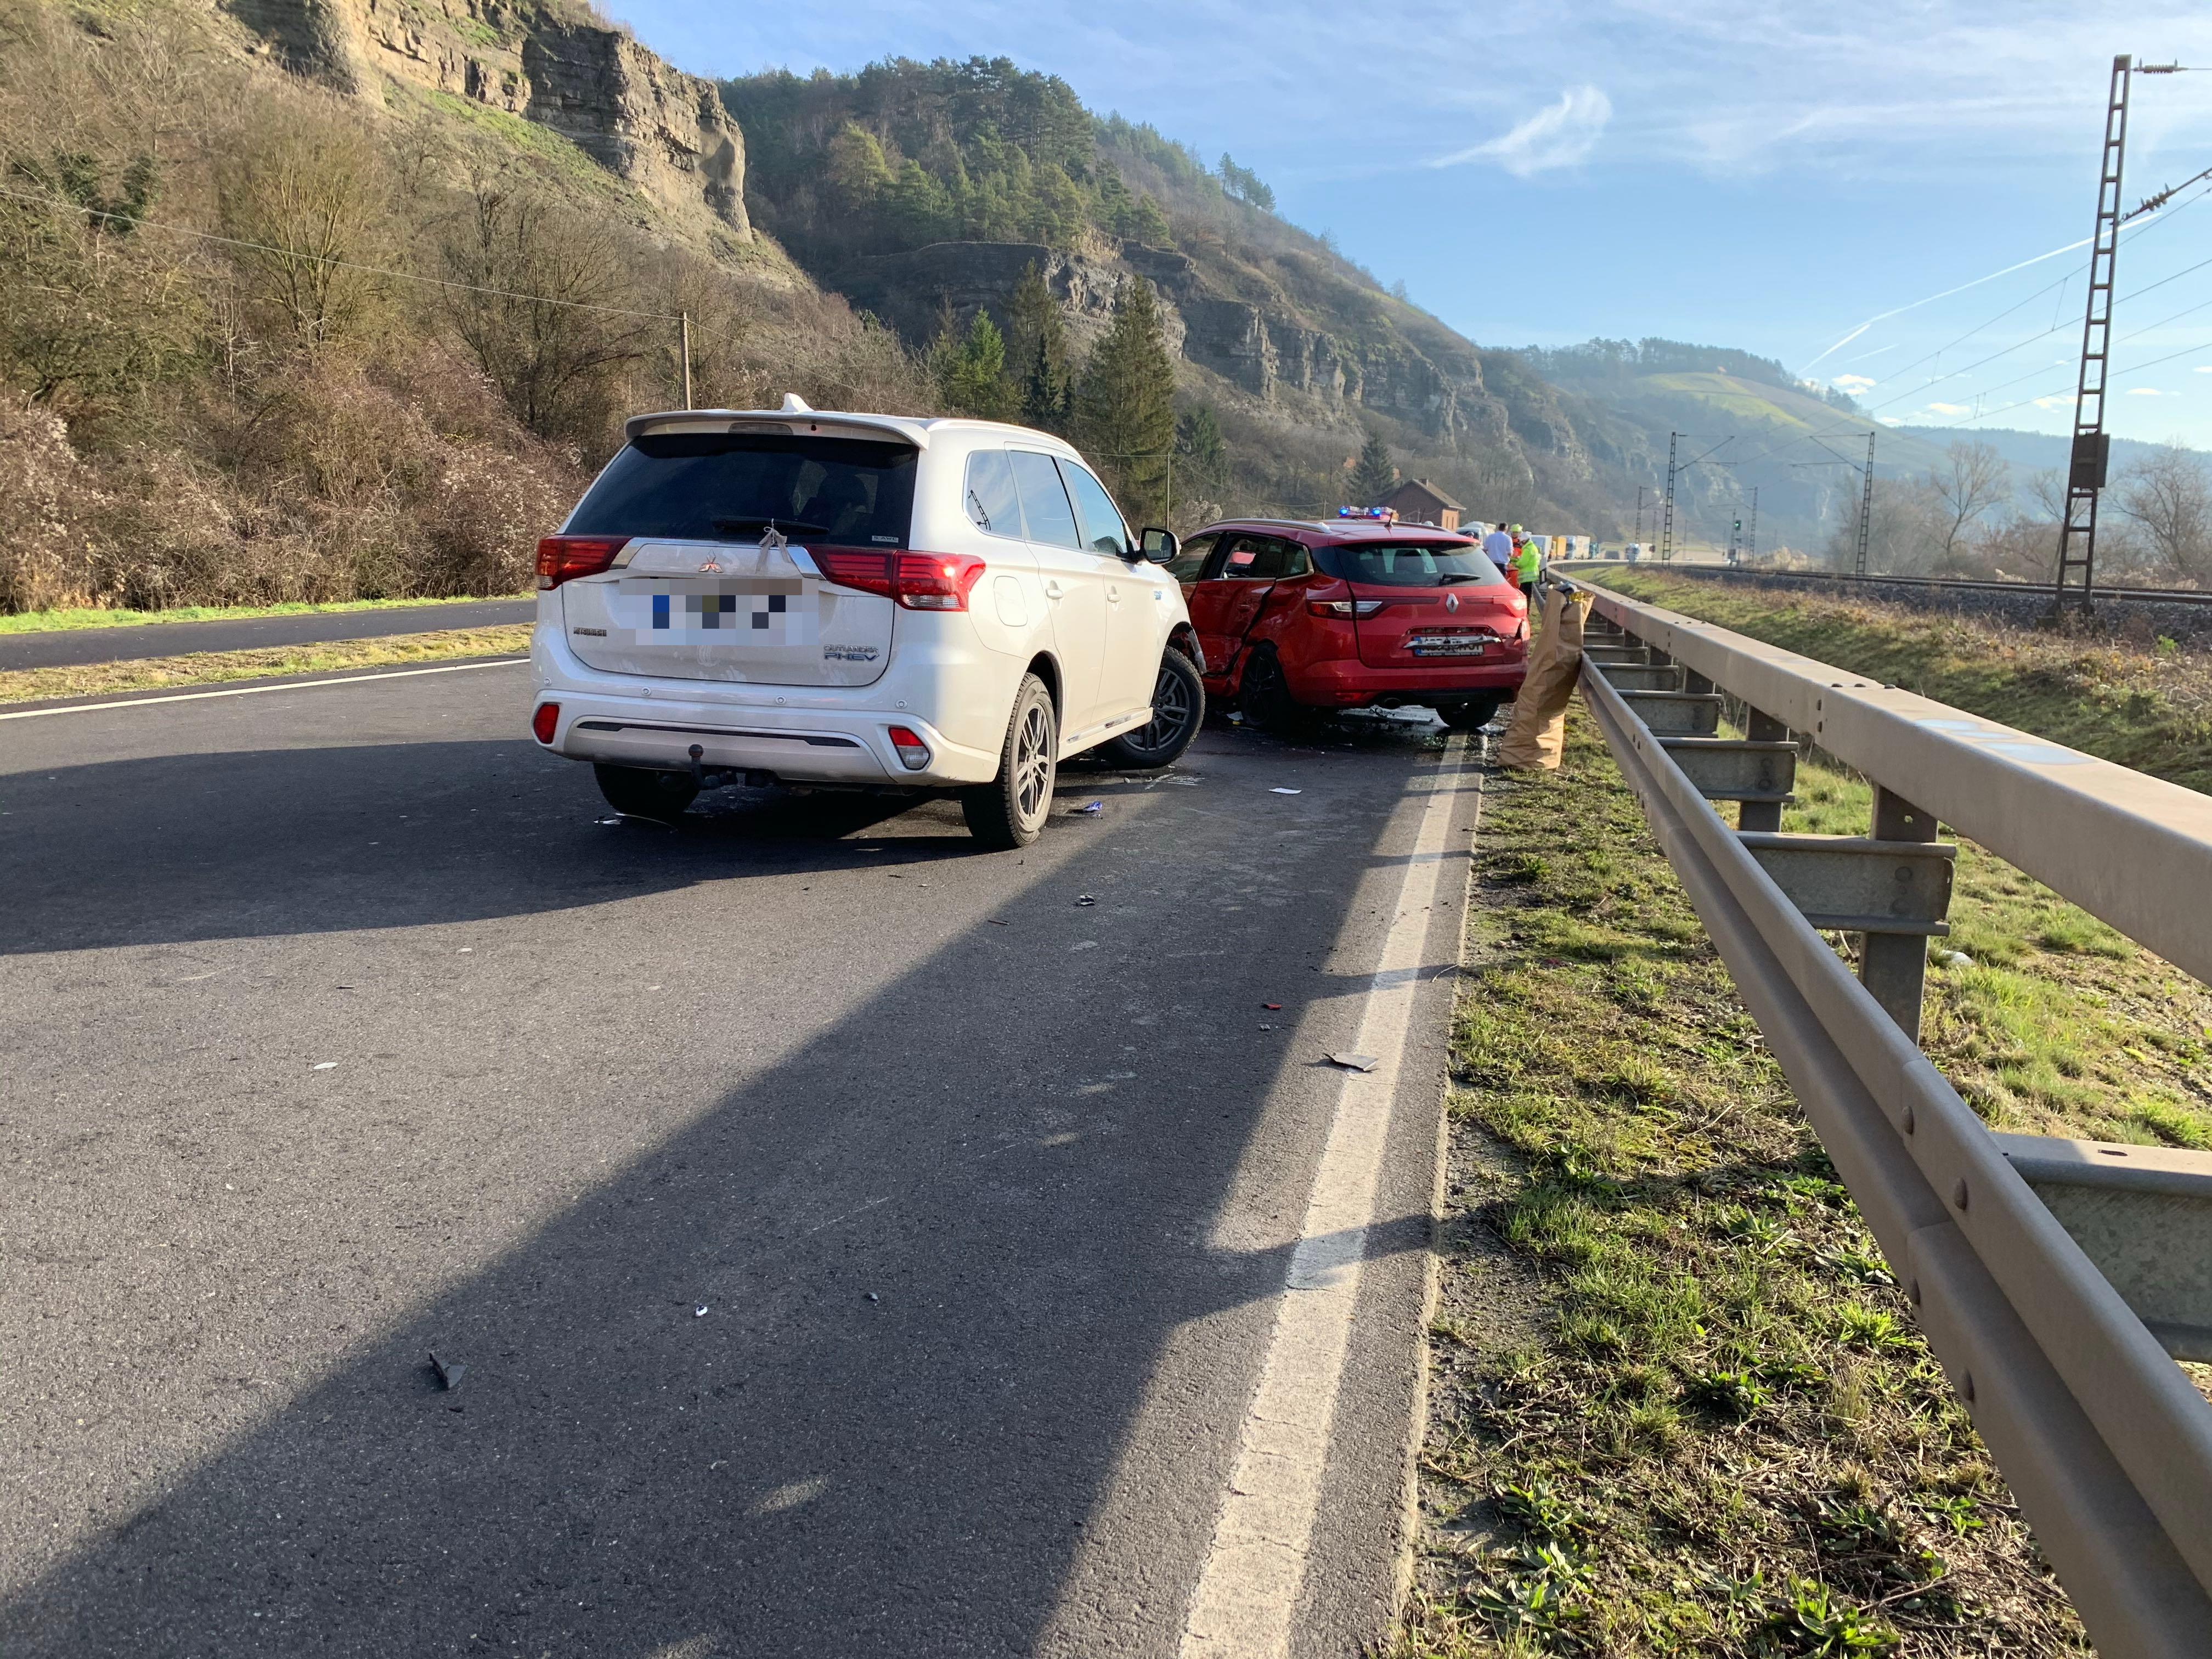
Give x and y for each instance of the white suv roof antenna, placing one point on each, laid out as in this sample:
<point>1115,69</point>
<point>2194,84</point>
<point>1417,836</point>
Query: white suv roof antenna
<point>795,404</point>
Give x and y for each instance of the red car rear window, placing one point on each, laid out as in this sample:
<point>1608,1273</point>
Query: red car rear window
<point>1409,564</point>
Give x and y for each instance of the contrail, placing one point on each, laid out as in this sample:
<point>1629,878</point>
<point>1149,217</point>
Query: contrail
<point>1885,315</point>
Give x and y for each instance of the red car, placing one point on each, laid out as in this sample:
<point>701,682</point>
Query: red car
<point>1297,618</point>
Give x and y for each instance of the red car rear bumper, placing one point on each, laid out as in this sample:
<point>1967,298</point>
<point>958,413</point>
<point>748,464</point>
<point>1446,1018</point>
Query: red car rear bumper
<point>1345,683</point>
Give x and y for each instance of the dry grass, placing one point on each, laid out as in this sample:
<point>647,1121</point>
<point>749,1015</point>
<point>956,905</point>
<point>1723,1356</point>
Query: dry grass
<point>213,667</point>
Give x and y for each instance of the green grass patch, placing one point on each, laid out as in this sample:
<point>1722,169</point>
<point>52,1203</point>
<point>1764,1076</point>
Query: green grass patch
<point>45,622</point>
<point>2055,1024</point>
<point>1722,1434</point>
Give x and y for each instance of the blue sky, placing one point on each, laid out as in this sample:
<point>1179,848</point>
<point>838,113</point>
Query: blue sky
<point>1768,176</point>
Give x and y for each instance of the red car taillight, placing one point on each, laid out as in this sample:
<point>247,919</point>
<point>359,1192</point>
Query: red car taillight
<point>545,721</point>
<point>562,557</point>
<point>1343,607</point>
<point>919,582</point>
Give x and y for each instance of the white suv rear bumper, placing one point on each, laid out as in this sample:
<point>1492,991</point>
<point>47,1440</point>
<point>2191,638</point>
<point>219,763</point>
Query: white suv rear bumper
<point>802,734</point>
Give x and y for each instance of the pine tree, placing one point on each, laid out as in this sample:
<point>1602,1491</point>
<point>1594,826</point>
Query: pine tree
<point>1373,477</point>
<point>1125,414</point>
<point>1199,445</point>
<point>978,385</point>
<point>1036,351</point>
<point>969,370</point>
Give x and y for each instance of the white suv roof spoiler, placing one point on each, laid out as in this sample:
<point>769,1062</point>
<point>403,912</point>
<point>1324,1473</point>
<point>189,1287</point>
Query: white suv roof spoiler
<point>801,419</point>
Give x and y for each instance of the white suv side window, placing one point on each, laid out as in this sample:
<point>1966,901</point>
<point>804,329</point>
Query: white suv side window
<point>1103,529</point>
<point>1044,502</point>
<point>988,497</point>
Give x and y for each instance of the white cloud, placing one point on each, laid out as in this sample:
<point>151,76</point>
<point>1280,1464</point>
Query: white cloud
<point>2067,402</point>
<point>1557,136</point>
<point>1950,409</point>
<point>1853,384</point>
<point>1891,420</point>
<point>2144,391</point>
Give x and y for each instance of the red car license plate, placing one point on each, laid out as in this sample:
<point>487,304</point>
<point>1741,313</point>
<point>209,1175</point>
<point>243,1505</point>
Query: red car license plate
<point>1444,645</point>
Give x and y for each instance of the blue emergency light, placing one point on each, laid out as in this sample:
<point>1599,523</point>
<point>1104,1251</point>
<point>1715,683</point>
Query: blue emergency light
<point>1380,514</point>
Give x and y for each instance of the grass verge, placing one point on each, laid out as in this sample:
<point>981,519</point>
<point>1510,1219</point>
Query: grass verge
<point>45,622</point>
<point>2145,708</point>
<point>2045,1019</point>
<point>1708,1424</point>
<point>211,667</point>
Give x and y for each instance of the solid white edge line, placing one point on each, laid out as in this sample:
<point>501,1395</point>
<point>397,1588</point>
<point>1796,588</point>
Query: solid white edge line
<point>1248,1590</point>
<point>249,690</point>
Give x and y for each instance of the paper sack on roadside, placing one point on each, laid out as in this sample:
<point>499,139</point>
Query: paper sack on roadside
<point>1538,732</point>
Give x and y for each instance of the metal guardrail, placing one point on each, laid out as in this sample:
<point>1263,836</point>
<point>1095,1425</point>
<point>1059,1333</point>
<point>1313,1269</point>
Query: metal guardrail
<point>2105,1442</point>
<point>1960,584</point>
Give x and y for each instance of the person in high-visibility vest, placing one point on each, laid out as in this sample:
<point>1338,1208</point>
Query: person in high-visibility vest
<point>1527,562</point>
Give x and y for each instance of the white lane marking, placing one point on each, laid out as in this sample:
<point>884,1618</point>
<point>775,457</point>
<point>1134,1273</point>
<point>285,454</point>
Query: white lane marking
<point>251,690</point>
<point>1248,1590</point>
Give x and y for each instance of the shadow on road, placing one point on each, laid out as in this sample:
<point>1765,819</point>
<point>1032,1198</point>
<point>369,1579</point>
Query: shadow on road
<point>938,1250</point>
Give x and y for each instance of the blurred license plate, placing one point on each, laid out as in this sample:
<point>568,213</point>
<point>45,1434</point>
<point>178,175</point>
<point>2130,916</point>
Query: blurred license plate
<point>1444,645</point>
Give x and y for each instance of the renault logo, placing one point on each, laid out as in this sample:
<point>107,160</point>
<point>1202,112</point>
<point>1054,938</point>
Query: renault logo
<point>1452,601</point>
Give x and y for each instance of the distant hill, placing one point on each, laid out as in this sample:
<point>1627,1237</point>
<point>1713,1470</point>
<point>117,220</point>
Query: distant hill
<point>1758,426</point>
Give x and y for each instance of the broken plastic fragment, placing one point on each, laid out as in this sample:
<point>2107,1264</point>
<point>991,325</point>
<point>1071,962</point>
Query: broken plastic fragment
<point>699,1312</point>
<point>326,1065</point>
<point>1271,1007</point>
<point>1355,1062</point>
<point>1280,790</point>
<point>449,1376</point>
<point>1096,806</point>
<point>1086,899</point>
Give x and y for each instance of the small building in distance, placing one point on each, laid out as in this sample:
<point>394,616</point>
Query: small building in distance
<point>1418,501</point>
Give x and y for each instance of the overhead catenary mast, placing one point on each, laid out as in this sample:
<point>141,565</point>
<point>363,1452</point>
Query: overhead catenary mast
<point>2085,473</point>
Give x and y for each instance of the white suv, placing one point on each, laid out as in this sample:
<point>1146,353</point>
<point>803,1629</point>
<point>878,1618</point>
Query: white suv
<point>860,600</point>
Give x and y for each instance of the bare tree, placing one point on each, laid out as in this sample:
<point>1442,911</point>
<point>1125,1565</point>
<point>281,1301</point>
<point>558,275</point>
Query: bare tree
<point>1905,531</point>
<point>544,306</point>
<point>2168,495</point>
<point>312,203</point>
<point>1973,479</point>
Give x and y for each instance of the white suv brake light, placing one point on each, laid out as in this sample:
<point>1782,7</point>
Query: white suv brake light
<point>918,581</point>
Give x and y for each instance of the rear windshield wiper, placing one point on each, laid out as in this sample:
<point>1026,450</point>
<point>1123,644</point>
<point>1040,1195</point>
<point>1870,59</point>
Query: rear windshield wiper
<point>1451,576</point>
<point>731,526</point>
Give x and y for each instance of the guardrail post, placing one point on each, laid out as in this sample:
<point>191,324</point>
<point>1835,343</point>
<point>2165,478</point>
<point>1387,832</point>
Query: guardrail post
<point>1762,814</point>
<point>1893,966</point>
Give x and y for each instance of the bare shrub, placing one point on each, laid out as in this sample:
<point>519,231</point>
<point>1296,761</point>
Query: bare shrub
<point>46,496</point>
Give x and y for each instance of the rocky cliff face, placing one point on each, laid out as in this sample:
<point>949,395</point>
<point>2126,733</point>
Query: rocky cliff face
<point>1264,351</point>
<point>662,131</point>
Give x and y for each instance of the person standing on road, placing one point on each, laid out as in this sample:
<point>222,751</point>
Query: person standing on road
<point>1526,564</point>
<point>1498,546</point>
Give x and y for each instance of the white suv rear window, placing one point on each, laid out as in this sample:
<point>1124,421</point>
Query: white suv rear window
<point>712,486</point>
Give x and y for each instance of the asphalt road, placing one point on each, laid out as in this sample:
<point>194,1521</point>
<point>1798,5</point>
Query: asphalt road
<point>66,647</point>
<point>855,1244</point>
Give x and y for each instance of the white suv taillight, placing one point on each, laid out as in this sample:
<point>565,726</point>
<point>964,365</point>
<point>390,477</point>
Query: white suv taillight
<point>560,558</point>
<point>918,581</point>
<point>913,752</point>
